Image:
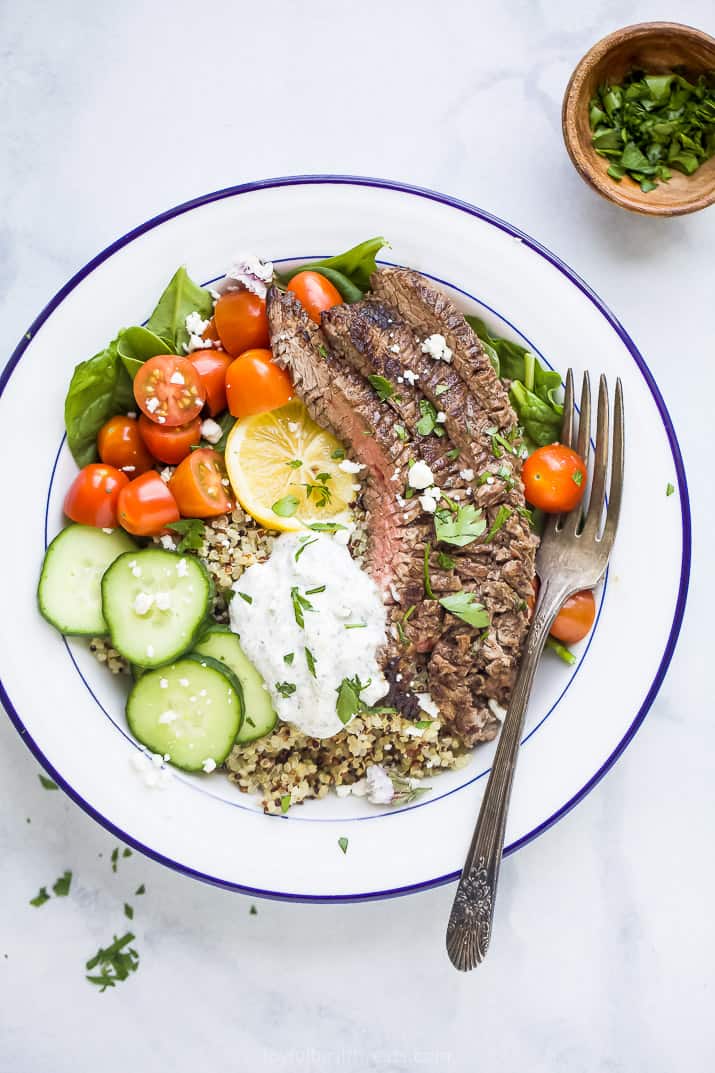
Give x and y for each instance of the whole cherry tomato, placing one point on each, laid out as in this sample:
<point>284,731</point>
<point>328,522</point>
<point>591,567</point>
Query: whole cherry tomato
<point>241,321</point>
<point>554,478</point>
<point>315,293</point>
<point>211,365</point>
<point>170,444</point>
<point>146,505</point>
<point>93,496</point>
<point>255,384</point>
<point>120,445</point>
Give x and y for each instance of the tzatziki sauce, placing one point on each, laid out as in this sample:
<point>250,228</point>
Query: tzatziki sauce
<point>308,618</point>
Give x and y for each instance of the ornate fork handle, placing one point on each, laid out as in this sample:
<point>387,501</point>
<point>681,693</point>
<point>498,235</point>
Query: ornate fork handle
<point>470,923</point>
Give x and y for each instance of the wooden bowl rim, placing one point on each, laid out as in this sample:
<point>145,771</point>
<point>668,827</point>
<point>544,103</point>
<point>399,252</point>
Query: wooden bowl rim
<point>627,198</point>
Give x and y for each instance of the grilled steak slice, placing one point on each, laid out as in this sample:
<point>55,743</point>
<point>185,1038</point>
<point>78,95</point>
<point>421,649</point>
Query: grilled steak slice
<point>466,670</point>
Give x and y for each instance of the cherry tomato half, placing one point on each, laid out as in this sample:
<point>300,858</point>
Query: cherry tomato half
<point>211,332</point>
<point>168,390</point>
<point>241,321</point>
<point>315,293</point>
<point>254,384</point>
<point>120,445</point>
<point>170,445</point>
<point>211,365</point>
<point>93,496</point>
<point>146,505</point>
<point>554,478</point>
<point>198,485</point>
<point>574,620</point>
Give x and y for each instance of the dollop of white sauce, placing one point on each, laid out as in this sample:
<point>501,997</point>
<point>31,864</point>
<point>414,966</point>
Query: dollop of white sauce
<point>267,626</point>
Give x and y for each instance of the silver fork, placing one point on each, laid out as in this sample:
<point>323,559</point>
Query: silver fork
<point>573,555</point>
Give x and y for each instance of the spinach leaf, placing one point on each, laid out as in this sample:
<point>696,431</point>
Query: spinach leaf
<point>353,267</point>
<point>540,420</point>
<point>137,345</point>
<point>99,389</point>
<point>181,297</point>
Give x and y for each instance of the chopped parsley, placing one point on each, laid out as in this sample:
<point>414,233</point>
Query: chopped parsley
<point>323,352</point>
<point>348,702</point>
<point>244,596</point>
<point>285,802</point>
<point>114,962</point>
<point>192,532</point>
<point>440,389</point>
<point>285,507</point>
<point>343,843</point>
<point>428,423</point>
<point>325,527</point>
<point>561,651</point>
<point>338,454</point>
<point>453,454</point>
<point>114,858</point>
<point>499,442</point>
<point>253,911</point>
<point>288,658</point>
<point>669,489</point>
<point>141,889</point>
<point>502,516</point>
<point>465,606</point>
<point>313,592</point>
<point>295,463</point>
<point>286,689</point>
<point>401,432</point>
<point>323,494</point>
<point>310,660</point>
<point>385,388</point>
<point>305,544</point>
<point>40,898</point>
<point>577,477</point>
<point>428,583</point>
<point>446,562</point>
<point>128,911</point>
<point>47,784</point>
<point>356,625</point>
<point>300,604</point>
<point>459,527</point>
<point>61,887</point>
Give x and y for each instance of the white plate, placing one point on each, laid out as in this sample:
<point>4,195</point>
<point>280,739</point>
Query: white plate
<point>69,710</point>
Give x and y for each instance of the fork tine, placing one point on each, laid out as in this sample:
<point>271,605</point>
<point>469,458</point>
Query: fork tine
<point>616,489</point>
<point>584,422</point>
<point>567,429</point>
<point>598,486</point>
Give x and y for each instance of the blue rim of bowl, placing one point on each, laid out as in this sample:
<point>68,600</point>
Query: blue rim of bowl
<point>556,262</point>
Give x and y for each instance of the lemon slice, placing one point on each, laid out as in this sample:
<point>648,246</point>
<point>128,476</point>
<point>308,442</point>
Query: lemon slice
<point>285,470</point>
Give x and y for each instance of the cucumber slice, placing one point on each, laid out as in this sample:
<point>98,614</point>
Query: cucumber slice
<point>69,593</point>
<point>155,602</point>
<point>189,711</point>
<point>259,717</point>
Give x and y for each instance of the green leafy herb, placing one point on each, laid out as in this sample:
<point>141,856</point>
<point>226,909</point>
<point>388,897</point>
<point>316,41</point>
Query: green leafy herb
<point>61,886</point>
<point>348,702</point>
<point>114,858</point>
<point>244,596</point>
<point>128,911</point>
<point>288,658</point>
<point>440,389</point>
<point>650,124</point>
<point>428,423</point>
<point>47,784</point>
<point>354,268</point>
<point>561,651</point>
<point>453,454</point>
<point>253,911</point>
<point>343,843</point>
<point>286,689</point>
<point>465,606</point>
<point>502,516</point>
<point>459,527</point>
<point>126,852</point>
<point>315,591</point>
<point>300,604</point>
<point>669,489</point>
<point>406,791</point>
<point>295,463</point>
<point>355,625</point>
<point>180,298</point>
<point>285,802</point>
<point>136,345</point>
<point>446,562</point>
<point>141,889</point>
<point>401,432</point>
<point>323,494</point>
<point>325,527</point>
<point>40,898</point>
<point>114,962</point>
<point>285,507</point>
<point>428,584</point>
<point>385,388</point>
<point>100,388</point>
<point>192,532</point>
<point>304,545</point>
<point>310,660</point>
<point>577,477</point>
<point>323,351</point>
<point>422,724</point>
<point>338,454</point>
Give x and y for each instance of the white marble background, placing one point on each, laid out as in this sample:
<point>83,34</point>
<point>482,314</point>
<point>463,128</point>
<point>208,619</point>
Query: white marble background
<point>603,956</point>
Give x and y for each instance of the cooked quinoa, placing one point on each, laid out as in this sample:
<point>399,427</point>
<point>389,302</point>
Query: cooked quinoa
<point>286,761</point>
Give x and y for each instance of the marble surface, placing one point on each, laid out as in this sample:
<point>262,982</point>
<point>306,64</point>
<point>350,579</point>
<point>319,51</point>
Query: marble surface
<point>602,957</point>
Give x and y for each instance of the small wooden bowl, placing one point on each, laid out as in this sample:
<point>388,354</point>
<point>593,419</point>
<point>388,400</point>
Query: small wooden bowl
<point>655,47</point>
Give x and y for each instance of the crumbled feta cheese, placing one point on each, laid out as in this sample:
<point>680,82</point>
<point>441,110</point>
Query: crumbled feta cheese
<point>350,467</point>
<point>132,413</point>
<point>209,765</point>
<point>427,705</point>
<point>128,469</point>
<point>136,570</point>
<point>441,417</point>
<point>490,480</point>
<point>163,683</point>
<point>395,348</point>
<point>394,593</point>
<point>436,346</point>
<point>414,732</point>
<point>160,420</point>
<point>156,759</point>
<point>343,791</point>
<point>248,271</point>
<point>167,542</point>
<point>359,788</point>
<point>177,378</point>
<point>197,342</point>
<point>162,601</point>
<point>168,716</point>
<point>211,430</point>
<point>398,677</point>
<point>420,476</point>
<point>195,325</point>
<point>166,474</point>
<point>152,404</point>
<point>466,474</point>
<point>150,651</point>
<point>293,426</point>
<point>143,602</point>
<point>496,708</point>
<point>184,682</point>
<point>411,377</point>
<point>107,531</point>
<point>380,790</point>
<point>428,502</point>
<point>140,761</point>
<point>182,568</point>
